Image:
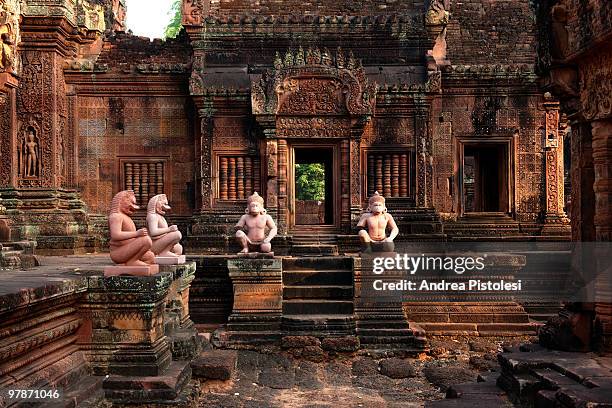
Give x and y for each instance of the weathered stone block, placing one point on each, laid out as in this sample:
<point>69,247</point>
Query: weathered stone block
<point>397,368</point>
<point>292,342</point>
<point>341,344</point>
<point>215,365</point>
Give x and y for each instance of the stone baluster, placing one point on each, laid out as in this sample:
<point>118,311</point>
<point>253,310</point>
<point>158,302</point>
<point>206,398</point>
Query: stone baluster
<point>379,173</point>
<point>223,178</point>
<point>404,175</point>
<point>371,174</point>
<point>387,175</point>
<point>129,176</point>
<point>248,175</point>
<point>395,176</point>
<point>231,178</point>
<point>240,177</point>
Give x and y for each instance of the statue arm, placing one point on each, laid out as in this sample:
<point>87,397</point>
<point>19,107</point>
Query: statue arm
<point>273,230</point>
<point>394,229</point>
<point>241,223</point>
<point>362,220</point>
<point>153,226</point>
<point>116,232</point>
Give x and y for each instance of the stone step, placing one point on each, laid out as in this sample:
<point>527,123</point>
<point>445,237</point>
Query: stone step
<point>484,394</point>
<point>317,263</point>
<point>305,307</point>
<point>162,389</point>
<point>314,250</point>
<point>318,324</point>
<point>483,329</point>
<point>315,277</point>
<point>318,292</point>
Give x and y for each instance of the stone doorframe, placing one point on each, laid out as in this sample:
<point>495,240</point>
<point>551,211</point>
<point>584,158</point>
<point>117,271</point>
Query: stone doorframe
<point>309,95</point>
<point>509,141</point>
<point>336,182</point>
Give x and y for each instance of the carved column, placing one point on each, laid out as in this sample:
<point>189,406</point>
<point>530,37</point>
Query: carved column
<point>345,189</point>
<point>283,209</point>
<point>205,162</point>
<point>424,161</point>
<point>271,172</point>
<point>555,220</point>
<point>356,171</point>
<point>8,164</point>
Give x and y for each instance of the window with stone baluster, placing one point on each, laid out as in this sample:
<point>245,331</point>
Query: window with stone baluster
<point>238,176</point>
<point>145,176</point>
<point>391,173</point>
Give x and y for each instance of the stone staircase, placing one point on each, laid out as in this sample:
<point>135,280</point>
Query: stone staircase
<point>318,295</point>
<point>313,242</point>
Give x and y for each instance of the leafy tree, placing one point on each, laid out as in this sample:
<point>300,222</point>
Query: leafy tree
<point>310,181</point>
<point>174,26</point>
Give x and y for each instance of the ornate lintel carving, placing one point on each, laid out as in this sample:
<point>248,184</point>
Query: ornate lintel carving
<point>313,82</point>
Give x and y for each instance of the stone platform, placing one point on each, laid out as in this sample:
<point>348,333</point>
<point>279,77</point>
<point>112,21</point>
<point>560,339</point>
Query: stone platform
<point>65,326</point>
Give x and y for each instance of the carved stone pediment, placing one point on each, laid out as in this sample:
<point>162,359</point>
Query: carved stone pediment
<point>313,82</point>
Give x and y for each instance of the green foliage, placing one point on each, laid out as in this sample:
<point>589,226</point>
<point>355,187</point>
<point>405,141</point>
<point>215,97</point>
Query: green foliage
<point>174,26</point>
<point>310,181</point>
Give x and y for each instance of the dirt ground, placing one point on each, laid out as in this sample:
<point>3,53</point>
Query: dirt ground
<point>273,378</point>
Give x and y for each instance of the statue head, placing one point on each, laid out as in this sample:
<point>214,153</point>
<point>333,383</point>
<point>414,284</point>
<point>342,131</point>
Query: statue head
<point>31,135</point>
<point>124,202</point>
<point>158,204</point>
<point>255,205</point>
<point>376,204</point>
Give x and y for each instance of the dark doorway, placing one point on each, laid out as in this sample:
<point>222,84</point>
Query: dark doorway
<point>485,178</point>
<point>313,186</point>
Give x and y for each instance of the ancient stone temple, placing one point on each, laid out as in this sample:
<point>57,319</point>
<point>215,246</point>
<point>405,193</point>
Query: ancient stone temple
<point>466,121</point>
<point>434,105</point>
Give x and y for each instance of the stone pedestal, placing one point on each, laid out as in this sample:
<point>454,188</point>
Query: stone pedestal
<point>125,316</point>
<point>134,327</point>
<point>258,301</point>
<point>170,260</point>
<point>127,270</point>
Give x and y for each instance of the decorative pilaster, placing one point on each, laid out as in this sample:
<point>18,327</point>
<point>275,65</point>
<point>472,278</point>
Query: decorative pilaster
<point>356,171</point>
<point>424,161</point>
<point>205,159</point>
<point>283,203</point>
<point>271,176</point>
<point>8,86</point>
<point>555,220</point>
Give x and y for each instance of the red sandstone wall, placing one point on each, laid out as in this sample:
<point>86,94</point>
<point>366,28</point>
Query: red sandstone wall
<point>133,127</point>
<point>491,31</point>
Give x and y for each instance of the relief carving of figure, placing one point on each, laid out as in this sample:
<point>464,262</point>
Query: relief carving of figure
<point>128,246</point>
<point>165,238</point>
<point>373,226</point>
<point>30,154</point>
<point>255,222</point>
<point>6,50</point>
